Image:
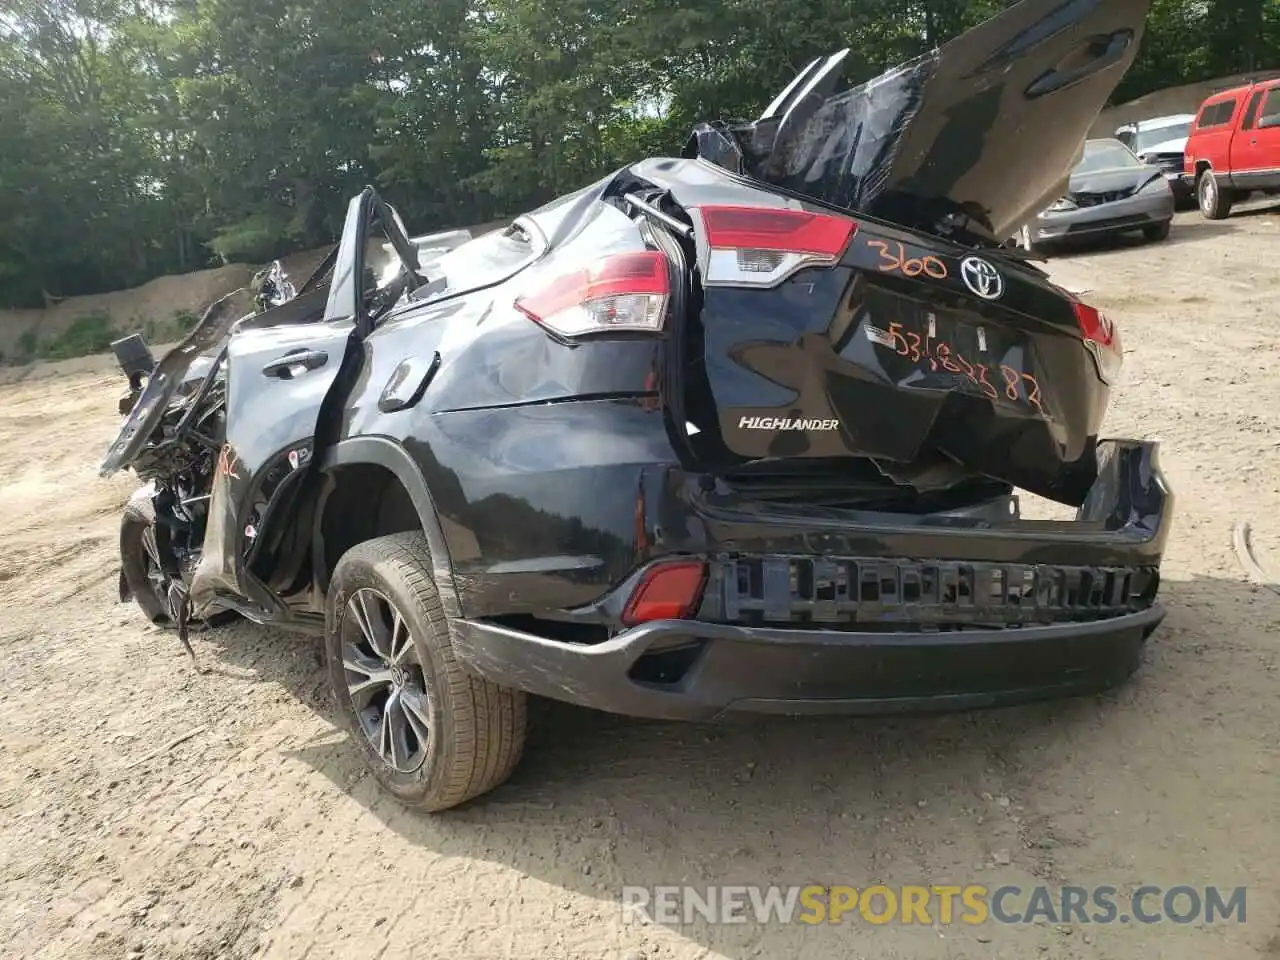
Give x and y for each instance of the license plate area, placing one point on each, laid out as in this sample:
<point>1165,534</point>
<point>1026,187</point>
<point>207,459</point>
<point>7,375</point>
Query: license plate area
<point>925,348</point>
<point>904,594</point>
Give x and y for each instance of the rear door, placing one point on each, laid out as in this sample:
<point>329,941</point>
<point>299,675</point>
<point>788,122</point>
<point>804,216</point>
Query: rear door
<point>282,382</point>
<point>990,123</point>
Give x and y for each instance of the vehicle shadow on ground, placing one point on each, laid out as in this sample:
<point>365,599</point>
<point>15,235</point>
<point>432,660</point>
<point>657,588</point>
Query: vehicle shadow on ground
<point>1257,208</point>
<point>1184,231</point>
<point>602,802</point>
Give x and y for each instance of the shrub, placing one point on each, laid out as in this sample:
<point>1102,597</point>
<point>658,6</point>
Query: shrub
<point>90,333</point>
<point>26,346</point>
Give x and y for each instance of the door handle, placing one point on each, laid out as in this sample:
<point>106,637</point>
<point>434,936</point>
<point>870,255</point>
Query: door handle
<point>306,359</point>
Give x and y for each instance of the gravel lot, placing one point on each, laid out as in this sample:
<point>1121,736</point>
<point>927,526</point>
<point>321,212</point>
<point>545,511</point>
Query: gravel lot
<point>258,836</point>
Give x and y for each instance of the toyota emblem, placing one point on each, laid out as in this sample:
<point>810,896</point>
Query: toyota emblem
<point>982,278</point>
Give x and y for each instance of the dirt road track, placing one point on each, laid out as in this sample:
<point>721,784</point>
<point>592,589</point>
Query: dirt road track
<point>259,837</point>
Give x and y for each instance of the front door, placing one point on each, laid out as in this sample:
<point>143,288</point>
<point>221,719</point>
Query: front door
<point>1255,157</point>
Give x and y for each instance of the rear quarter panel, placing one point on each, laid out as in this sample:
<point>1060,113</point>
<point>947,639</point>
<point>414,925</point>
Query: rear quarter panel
<point>535,452</point>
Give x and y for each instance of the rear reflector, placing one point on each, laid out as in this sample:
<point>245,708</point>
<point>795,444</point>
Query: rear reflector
<point>761,246</point>
<point>1094,325</point>
<point>667,591</point>
<point>1102,339</point>
<point>619,292</point>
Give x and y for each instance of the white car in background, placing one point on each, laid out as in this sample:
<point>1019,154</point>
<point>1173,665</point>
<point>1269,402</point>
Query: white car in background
<point>1162,142</point>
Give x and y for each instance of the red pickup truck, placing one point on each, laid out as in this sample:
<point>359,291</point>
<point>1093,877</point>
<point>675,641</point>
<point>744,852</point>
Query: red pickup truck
<point>1234,147</point>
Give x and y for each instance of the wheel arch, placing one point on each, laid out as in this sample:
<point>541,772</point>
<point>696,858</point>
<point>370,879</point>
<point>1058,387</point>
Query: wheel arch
<point>349,466</point>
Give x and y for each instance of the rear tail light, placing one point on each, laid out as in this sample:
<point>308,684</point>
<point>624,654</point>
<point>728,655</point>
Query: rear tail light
<point>667,591</point>
<point>761,247</point>
<point>1102,339</point>
<point>619,292</point>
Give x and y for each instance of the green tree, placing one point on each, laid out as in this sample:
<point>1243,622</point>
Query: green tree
<point>149,136</point>
<point>81,207</point>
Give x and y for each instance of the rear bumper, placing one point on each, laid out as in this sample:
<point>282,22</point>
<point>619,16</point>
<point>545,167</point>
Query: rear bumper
<point>798,672</point>
<point>906,647</point>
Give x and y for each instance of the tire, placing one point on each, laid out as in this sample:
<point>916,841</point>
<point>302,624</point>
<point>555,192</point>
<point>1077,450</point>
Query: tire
<point>139,518</point>
<point>1215,202</point>
<point>450,736</point>
<point>138,569</point>
<point>1157,232</point>
<point>1185,199</point>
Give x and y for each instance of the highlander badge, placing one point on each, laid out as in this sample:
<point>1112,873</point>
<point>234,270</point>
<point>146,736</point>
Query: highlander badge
<point>778,423</point>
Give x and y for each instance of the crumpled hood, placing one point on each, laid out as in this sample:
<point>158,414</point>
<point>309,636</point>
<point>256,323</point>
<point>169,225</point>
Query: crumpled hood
<point>1108,181</point>
<point>168,376</point>
<point>972,138</point>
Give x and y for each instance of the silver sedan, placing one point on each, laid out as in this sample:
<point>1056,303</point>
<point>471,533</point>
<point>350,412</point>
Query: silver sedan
<point>1110,192</point>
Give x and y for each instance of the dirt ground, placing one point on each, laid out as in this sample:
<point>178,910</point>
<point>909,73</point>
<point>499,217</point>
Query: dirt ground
<point>259,837</point>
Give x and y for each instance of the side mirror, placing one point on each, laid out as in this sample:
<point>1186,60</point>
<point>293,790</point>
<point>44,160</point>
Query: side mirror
<point>137,362</point>
<point>134,357</point>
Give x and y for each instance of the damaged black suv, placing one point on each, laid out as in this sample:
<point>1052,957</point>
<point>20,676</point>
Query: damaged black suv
<point>736,431</point>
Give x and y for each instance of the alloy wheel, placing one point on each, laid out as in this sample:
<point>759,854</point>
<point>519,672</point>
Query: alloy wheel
<point>1208,192</point>
<point>384,679</point>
